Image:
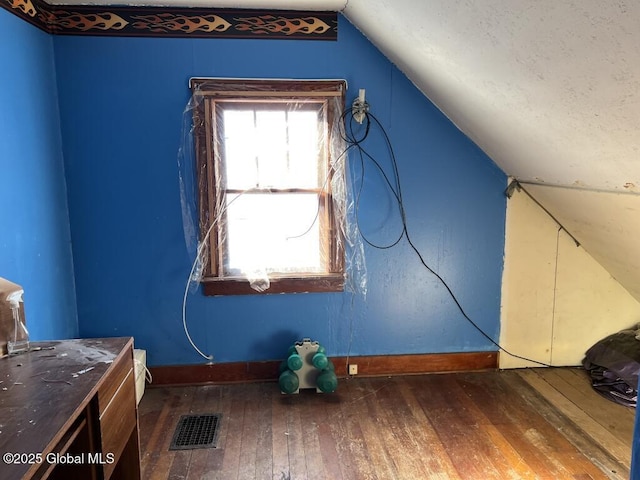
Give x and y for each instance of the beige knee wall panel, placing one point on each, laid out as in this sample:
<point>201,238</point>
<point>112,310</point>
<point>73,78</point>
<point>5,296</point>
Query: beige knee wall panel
<point>556,299</point>
<point>527,283</point>
<point>607,224</point>
<point>590,304</point>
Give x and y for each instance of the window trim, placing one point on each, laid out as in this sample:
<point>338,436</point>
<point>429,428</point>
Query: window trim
<point>206,92</point>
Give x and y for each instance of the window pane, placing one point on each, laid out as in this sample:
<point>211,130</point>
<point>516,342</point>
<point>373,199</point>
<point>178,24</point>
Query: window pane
<point>240,145</point>
<point>267,232</point>
<point>304,148</point>
<point>273,156</point>
<point>273,148</point>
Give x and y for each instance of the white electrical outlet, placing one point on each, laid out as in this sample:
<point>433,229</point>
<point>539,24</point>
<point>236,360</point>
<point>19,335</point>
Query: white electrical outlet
<point>353,369</point>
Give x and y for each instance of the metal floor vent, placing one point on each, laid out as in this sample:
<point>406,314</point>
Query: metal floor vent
<point>196,431</point>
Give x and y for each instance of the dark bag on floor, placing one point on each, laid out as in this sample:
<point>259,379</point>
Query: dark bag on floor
<point>614,366</point>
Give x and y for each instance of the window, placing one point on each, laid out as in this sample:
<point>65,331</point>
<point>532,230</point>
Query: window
<point>270,179</point>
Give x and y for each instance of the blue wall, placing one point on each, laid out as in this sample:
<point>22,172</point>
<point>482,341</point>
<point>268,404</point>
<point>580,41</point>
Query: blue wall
<point>35,244</point>
<point>122,101</point>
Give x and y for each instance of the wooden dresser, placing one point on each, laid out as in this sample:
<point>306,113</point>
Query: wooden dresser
<point>68,411</point>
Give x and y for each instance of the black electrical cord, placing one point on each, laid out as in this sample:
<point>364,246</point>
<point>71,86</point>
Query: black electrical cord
<point>354,141</point>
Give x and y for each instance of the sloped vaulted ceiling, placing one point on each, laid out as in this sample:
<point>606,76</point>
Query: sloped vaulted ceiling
<point>549,89</point>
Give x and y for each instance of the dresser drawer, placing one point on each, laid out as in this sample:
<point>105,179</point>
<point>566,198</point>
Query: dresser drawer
<point>117,411</point>
<point>114,381</point>
<point>117,422</point>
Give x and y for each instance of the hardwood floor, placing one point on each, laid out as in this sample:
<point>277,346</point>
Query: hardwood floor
<point>517,424</point>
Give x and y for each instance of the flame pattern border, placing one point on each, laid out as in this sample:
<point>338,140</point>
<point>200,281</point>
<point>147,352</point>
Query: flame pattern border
<point>174,21</point>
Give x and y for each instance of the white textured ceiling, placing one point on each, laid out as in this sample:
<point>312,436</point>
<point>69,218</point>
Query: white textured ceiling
<point>549,89</point>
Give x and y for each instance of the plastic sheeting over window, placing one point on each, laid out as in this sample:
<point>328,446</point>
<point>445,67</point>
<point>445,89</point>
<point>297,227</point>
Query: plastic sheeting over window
<point>263,183</point>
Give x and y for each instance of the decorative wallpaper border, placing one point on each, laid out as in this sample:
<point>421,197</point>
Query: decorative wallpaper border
<point>174,21</point>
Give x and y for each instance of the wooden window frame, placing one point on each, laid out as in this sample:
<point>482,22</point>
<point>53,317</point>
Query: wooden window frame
<point>206,92</point>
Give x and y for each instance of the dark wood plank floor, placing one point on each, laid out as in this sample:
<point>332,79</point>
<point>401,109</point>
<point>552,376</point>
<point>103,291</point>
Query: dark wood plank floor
<point>519,424</point>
